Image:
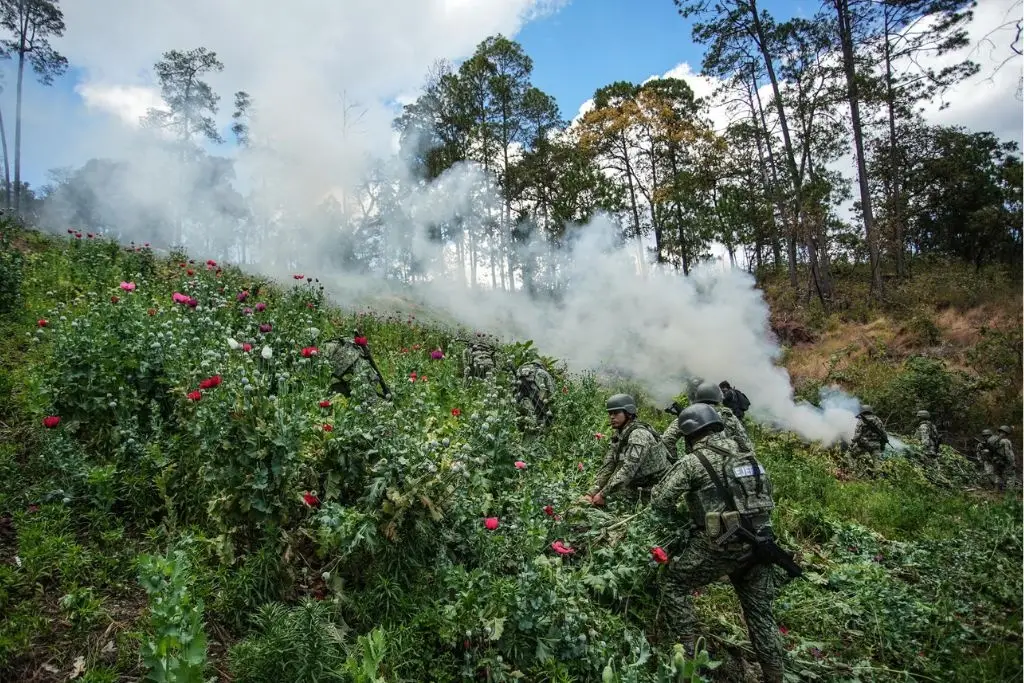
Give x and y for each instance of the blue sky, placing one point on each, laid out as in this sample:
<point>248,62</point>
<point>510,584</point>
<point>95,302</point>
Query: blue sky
<point>584,45</point>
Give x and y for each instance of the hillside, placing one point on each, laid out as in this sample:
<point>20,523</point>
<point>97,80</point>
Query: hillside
<point>253,527</point>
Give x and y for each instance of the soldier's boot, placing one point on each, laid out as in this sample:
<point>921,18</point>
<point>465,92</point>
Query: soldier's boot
<point>772,674</point>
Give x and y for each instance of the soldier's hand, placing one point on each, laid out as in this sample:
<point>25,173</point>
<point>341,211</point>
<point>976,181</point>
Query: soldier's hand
<point>597,500</point>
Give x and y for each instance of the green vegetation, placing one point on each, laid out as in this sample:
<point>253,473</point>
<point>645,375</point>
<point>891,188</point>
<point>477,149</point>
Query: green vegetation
<point>247,530</point>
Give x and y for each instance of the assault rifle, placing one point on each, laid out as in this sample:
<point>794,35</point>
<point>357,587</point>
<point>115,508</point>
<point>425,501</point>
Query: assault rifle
<point>765,550</point>
<point>674,409</point>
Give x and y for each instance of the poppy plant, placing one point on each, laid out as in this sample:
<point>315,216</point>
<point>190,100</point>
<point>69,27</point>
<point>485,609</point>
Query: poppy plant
<point>310,499</point>
<point>436,354</point>
<point>43,322</point>
<point>456,412</point>
<point>51,421</point>
<point>195,395</point>
<point>260,307</point>
<point>561,549</point>
<point>491,523</point>
<point>328,428</point>
<point>520,465</point>
<point>128,286</point>
<point>359,341</point>
<point>310,351</point>
<point>299,276</point>
<point>549,511</point>
<point>325,404</point>
<point>266,327</point>
<point>659,555</point>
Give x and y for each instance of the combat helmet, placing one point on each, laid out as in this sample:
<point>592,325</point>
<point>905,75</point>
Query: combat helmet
<point>864,409</point>
<point>924,415</point>
<point>708,393</point>
<point>1004,429</point>
<point>986,432</point>
<point>623,402</point>
<point>698,416</point>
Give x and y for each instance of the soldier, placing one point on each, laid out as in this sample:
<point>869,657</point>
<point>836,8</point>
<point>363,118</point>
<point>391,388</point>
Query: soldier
<point>636,457</point>
<point>728,499</point>
<point>734,399</point>
<point>712,395</point>
<point>534,392</point>
<point>480,358</point>
<point>986,457</point>
<point>927,434</point>
<point>1004,454</point>
<point>870,437</point>
<point>350,358</point>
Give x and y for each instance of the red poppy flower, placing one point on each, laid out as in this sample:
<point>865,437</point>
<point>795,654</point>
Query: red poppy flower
<point>43,323</point>
<point>412,376</point>
<point>325,404</point>
<point>520,465</point>
<point>359,341</point>
<point>210,382</point>
<point>598,435</point>
<point>114,299</point>
<point>659,555</point>
<point>415,347</point>
<point>456,412</point>
<point>310,351</point>
<point>151,311</point>
<point>51,421</point>
<point>561,549</point>
<point>190,272</point>
<point>299,276</point>
<point>549,511</point>
<point>247,347</point>
<point>579,466</point>
<point>310,499</point>
<point>266,327</point>
<point>328,428</point>
<point>195,395</point>
<point>491,523</point>
<point>211,263</point>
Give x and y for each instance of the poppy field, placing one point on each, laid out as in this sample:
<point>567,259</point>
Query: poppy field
<point>183,499</point>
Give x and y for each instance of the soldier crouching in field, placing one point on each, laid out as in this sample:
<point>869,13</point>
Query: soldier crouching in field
<point>636,457</point>
<point>728,498</point>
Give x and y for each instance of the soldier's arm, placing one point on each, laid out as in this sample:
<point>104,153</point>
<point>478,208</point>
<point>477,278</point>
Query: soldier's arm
<point>739,433</point>
<point>606,471</point>
<point>671,437</point>
<point>637,447</point>
<point>666,493</point>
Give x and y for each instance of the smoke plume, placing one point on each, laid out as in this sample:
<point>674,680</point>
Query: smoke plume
<point>322,179</point>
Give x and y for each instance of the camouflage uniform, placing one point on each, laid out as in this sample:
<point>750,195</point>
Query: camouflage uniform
<point>1005,458</point>
<point>535,390</point>
<point>928,435</point>
<point>734,430</point>
<point>869,439</point>
<point>636,460</point>
<point>350,365</point>
<point>479,360</point>
<point>702,561</point>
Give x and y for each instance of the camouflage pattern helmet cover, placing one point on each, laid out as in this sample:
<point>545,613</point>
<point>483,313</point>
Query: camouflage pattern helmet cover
<point>924,415</point>
<point>708,393</point>
<point>698,416</point>
<point>1004,429</point>
<point>621,402</point>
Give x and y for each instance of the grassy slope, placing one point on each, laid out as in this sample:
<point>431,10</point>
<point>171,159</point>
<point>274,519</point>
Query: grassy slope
<point>907,580</point>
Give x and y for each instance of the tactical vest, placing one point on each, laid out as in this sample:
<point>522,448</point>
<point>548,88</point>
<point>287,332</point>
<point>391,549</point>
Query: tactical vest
<point>740,484</point>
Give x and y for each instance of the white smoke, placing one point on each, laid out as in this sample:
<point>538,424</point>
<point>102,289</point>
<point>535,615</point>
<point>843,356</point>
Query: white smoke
<point>613,312</point>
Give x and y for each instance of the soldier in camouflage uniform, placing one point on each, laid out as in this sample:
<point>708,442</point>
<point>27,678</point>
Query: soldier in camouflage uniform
<point>480,358</point>
<point>927,434</point>
<point>534,392</point>
<point>711,394</point>
<point>636,457</point>
<point>869,438</point>
<point>351,361</point>
<point>1005,457</point>
<point>987,458</point>
<point>713,548</point>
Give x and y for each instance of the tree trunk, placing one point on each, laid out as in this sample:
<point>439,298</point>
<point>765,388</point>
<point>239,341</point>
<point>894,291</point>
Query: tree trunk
<point>791,241</point>
<point>17,128</point>
<point>894,167</point>
<point>7,163</point>
<point>632,189</point>
<point>846,38</point>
